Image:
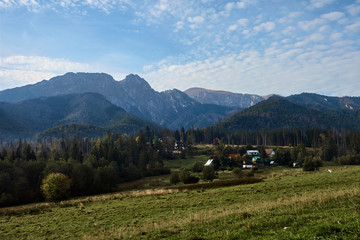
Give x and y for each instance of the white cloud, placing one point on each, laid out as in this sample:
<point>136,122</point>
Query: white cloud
<point>316,37</point>
<point>266,26</point>
<point>195,22</point>
<point>230,6</point>
<point>104,5</point>
<point>40,63</point>
<point>20,70</point>
<point>35,5</point>
<point>294,14</point>
<point>288,30</point>
<point>159,8</point>
<point>309,25</point>
<point>244,3</point>
<point>324,28</point>
<point>246,32</point>
<point>320,71</point>
<point>232,27</point>
<point>6,4</point>
<point>353,27</point>
<point>353,9</point>
<point>239,23</point>
<point>31,5</point>
<point>242,22</point>
<point>179,26</point>
<point>333,16</point>
<point>336,36</point>
<point>196,19</point>
<point>319,3</point>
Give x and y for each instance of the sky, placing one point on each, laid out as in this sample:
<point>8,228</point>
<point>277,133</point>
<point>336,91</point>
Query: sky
<point>249,46</point>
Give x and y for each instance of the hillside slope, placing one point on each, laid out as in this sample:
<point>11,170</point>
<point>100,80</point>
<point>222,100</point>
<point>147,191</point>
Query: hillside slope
<point>29,117</point>
<point>223,98</point>
<point>316,101</point>
<point>278,113</point>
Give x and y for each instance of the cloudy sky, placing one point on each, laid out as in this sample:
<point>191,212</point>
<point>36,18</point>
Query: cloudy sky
<point>247,46</point>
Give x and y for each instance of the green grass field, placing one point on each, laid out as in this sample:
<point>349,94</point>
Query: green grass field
<point>287,204</point>
<point>185,163</point>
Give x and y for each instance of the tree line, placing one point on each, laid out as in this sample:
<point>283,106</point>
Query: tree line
<point>99,165</point>
<point>312,137</point>
<point>93,165</point>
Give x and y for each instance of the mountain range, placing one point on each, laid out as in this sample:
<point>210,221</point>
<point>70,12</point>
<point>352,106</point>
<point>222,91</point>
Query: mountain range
<point>171,108</point>
<point>94,103</point>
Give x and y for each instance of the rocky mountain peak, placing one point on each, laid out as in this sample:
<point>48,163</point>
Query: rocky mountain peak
<point>223,98</point>
<point>82,77</point>
<point>134,80</point>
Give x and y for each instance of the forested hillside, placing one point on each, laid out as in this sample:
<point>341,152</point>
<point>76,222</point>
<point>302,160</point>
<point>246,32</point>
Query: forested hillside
<point>91,111</point>
<point>279,113</point>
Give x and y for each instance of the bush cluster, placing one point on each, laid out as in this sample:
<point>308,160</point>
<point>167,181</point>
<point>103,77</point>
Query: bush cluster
<point>311,163</point>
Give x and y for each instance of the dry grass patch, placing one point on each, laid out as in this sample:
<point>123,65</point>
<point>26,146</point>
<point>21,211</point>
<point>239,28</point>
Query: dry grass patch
<point>296,203</point>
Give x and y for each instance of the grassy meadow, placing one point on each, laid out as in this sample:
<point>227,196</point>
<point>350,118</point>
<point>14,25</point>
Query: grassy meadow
<point>286,204</point>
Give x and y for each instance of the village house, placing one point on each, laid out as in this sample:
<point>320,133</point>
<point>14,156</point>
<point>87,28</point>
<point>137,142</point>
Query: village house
<point>270,152</point>
<point>178,147</point>
<point>253,152</point>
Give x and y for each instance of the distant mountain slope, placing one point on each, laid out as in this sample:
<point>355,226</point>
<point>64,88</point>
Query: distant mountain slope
<point>278,113</point>
<point>129,124</point>
<point>223,98</point>
<point>25,118</point>
<point>10,127</point>
<point>133,94</point>
<point>317,101</point>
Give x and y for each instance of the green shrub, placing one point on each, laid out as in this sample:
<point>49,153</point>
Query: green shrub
<point>197,167</point>
<point>250,174</point>
<point>239,172</point>
<point>312,163</point>
<point>208,173</point>
<point>174,178</point>
<point>348,160</point>
<point>6,199</point>
<point>187,178</point>
<point>56,187</point>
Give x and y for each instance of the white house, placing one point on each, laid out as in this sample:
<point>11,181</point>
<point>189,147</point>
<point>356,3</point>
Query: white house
<point>253,152</point>
<point>209,162</point>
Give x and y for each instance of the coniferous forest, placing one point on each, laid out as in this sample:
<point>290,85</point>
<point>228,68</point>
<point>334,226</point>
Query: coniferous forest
<point>98,165</point>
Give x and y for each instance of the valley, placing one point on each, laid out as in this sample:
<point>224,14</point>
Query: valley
<point>130,162</point>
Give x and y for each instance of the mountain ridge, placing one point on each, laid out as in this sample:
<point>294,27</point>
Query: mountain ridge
<point>223,98</point>
<point>280,113</point>
<point>317,101</point>
<point>133,94</point>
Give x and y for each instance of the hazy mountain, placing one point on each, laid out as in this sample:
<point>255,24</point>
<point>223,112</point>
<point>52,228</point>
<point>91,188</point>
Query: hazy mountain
<point>28,117</point>
<point>317,101</point>
<point>170,108</point>
<point>224,98</point>
<point>278,113</point>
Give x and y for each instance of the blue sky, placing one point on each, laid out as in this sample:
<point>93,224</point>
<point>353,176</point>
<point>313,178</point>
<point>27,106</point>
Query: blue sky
<point>248,46</point>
